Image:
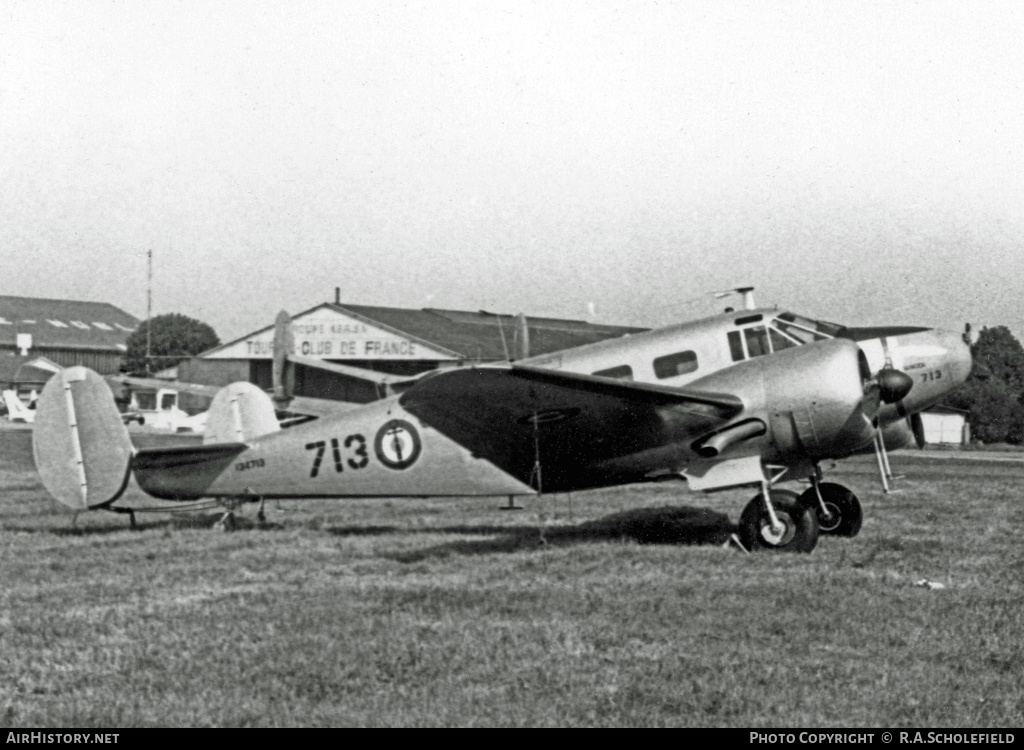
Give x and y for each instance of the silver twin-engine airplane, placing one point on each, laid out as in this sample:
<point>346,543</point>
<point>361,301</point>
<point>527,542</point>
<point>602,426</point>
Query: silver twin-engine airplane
<point>748,398</point>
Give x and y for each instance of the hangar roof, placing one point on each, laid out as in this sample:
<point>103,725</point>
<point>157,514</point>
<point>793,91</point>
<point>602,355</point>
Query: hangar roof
<point>478,335</point>
<point>64,324</point>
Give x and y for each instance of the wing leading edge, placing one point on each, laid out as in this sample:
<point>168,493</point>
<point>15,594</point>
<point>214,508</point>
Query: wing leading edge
<point>559,431</point>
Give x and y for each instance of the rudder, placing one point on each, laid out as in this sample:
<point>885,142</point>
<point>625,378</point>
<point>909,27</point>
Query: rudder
<point>80,445</point>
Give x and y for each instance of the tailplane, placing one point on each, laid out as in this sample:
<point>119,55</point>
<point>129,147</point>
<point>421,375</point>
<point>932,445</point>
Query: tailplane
<point>81,447</point>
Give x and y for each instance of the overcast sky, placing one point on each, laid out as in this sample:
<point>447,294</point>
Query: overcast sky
<point>856,161</point>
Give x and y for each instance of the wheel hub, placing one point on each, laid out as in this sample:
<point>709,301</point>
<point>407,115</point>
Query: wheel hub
<point>782,534</point>
<point>829,517</point>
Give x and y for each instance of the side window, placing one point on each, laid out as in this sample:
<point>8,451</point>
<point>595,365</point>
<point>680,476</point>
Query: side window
<point>168,401</point>
<point>757,341</point>
<point>736,347</point>
<point>672,365</point>
<point>622,372</point>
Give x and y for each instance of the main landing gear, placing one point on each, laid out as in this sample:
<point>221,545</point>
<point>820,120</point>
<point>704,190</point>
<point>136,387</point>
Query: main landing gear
<point>837,509</point>
<point>777,520</point>
<point>782,520</point>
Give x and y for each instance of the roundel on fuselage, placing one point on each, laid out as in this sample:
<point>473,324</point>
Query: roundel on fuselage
<point>397,444</point>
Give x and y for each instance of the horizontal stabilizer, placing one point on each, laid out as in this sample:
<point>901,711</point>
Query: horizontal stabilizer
<point>183,472</point>
<point>153,459</point>
<point>80,445</point>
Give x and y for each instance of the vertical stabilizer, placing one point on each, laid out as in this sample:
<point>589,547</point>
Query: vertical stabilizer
<point>239,413</point>
<point>80,445</point>
<point>283,370</point>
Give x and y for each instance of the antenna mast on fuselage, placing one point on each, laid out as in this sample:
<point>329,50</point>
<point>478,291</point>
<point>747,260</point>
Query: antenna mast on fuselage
<point>746,291</point>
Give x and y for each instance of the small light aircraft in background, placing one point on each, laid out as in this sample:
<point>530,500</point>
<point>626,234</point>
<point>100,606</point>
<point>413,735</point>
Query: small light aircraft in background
<point>154,403</point>
<point>750,398</point>
<point>16,409</point>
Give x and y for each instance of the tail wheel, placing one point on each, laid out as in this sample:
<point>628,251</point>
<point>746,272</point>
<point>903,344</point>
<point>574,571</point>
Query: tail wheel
<point>842,514</point>
<point>797,530</point>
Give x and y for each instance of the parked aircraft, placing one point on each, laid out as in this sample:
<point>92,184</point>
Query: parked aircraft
<point>699,401</point>
<point>154,403</point>
<point>16,409</point>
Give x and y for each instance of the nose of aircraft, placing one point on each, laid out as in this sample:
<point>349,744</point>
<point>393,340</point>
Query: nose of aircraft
<point>937,360</point>
<point>957,356</point>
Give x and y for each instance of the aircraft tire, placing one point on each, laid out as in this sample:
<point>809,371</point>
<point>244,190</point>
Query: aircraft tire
<point>800,525</point>
<point>843,505</point>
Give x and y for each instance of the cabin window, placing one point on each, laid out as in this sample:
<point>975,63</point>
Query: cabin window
<point>736,347</point>
<point>146,401</point>
<point>672,365</point>
<point>757,341</point>
<point>168,401</point>
<point>622,372</point>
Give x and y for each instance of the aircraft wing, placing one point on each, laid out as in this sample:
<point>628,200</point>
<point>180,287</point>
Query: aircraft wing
<point>581,430</point>
<point>359,373</point>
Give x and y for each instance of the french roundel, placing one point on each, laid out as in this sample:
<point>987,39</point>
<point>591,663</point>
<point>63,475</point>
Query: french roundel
<point>397,444</point>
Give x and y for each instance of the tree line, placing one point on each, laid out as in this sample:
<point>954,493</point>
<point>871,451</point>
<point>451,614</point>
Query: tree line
<point>993,394</point>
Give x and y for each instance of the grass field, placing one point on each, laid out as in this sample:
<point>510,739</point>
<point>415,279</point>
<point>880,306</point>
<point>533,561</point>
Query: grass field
<point>451,612</point>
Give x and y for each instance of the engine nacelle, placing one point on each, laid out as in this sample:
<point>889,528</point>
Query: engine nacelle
<point>906,433</point>
<point>812,398</point>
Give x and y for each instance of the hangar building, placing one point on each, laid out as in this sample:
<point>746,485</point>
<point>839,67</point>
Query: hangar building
<point>60,332</point>
<point>944,425</point>
<point>386,339</point>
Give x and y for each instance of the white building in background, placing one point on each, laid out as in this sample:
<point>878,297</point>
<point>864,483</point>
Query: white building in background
<point>944,425</point>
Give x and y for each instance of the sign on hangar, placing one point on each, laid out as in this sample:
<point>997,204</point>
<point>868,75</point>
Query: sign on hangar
<point>334,333</point>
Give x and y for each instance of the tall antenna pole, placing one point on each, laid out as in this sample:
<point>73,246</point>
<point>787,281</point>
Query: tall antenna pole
<point>149,311</point>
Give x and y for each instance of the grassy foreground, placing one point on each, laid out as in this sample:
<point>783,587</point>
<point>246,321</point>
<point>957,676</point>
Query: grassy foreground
<point>451,612</point>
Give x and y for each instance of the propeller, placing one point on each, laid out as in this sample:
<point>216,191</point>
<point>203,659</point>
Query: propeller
<point>887,386</point>
<point>893,384</point>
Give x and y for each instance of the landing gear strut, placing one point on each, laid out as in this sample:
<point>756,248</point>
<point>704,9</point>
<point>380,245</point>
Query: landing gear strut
<point>776,519</point>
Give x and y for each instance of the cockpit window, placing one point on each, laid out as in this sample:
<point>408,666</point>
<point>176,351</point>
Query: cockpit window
<point>798,334</point>
<point>819,327</point>
<point>779,342</point>
<point>757,341</point>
